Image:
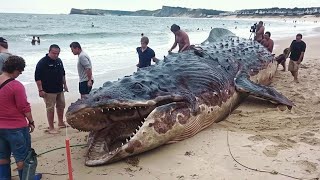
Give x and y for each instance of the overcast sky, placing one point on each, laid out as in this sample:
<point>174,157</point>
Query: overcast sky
<point>64,6</point>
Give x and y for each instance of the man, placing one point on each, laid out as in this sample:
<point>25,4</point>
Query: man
<point>267,42</point>
<point>259,32</point>
<point>297,49</point>
<point>84,69</point>
<point>4,53</point>
<point>181,39</point>
<point>145,53</point>
<point>51,81</point>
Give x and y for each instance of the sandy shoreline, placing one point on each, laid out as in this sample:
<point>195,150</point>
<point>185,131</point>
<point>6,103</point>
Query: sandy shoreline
<point>260,136</point>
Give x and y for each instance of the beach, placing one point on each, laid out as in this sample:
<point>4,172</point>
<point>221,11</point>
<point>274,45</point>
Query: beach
<point>260,135</point>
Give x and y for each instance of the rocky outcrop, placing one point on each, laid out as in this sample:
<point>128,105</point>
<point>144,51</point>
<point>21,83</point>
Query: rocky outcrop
<point>166,11</point>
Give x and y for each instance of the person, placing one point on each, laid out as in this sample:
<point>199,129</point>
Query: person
<point>145,53</point>
<point>281,59</point>
<point>51,81</point>
<point>33,41</point>
<point>84,69</point>
<point>16,121</point>
<point>38,40</point>
<point>4,53</point>
<point>142,34</point>
<point>259,32</point>
<point>92,25</point>
<point>267,42</point>
<point>181,39</point>
<point>297,50</point>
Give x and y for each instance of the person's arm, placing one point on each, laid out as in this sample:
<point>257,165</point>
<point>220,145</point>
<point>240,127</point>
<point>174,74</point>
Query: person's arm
<point>261,30</point>
<point>64,81</point>
<point>186,43</point>
<point>37,77</point>
<point>23,105</point>
<point>302,54</point>
<point>174,44</point>
<point>89,74</point>
<point>270,46</point>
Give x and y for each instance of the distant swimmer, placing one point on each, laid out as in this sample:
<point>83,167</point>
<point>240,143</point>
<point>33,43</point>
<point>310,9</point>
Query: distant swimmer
<point>142,34</point>
<point>92,25</point>
<point>38,40</point>
<point>33,41</point>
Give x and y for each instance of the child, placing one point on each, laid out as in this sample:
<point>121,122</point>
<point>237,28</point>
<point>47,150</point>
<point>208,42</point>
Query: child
<point>145,53</point>
<point>281,59</point>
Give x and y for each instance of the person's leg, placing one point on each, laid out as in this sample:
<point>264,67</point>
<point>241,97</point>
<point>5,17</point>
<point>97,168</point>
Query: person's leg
<point>84,89</point>
<point>5,168</point>
<point>20,144</point>
<point>50,100</point>
<point>60,109</point>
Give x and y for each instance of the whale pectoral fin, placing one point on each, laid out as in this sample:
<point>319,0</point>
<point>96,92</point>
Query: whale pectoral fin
<point>245,85</point>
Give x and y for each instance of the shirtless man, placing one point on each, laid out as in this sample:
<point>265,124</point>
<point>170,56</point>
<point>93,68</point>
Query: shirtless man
<point>267,42</point>
<point>259,32</point>
<point>181,39</point>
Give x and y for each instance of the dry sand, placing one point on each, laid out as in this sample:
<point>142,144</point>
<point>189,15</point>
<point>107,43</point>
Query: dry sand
<point>261,136</point>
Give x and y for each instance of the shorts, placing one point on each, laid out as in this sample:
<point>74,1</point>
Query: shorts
<point>84,88</point>
<point>52,99</point>
<point>15,141</point>
<point>293,66</point>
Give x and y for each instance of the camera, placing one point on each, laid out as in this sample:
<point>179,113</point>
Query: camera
<point>253,28</point>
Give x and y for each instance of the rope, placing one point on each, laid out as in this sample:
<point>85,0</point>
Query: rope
<point>264,171</point>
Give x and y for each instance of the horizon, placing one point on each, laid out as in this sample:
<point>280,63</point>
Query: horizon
<point>44,7</point>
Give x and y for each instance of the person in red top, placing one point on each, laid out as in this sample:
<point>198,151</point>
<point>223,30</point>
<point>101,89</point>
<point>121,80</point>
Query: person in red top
<point>16,122</point>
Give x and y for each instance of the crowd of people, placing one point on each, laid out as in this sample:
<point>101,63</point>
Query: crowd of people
<point>16,121</point>
<point>296,50</point>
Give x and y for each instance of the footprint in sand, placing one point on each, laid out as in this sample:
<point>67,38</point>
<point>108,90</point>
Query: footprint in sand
<point>310,167</point>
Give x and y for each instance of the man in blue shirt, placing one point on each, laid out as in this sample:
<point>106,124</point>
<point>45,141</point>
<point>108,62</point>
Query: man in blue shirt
<point>145,53</point>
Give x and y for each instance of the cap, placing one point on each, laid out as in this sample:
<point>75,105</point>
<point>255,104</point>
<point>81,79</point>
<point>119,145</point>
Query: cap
<point>3,40</point>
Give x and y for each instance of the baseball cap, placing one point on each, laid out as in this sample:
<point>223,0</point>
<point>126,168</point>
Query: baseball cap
<point>3,40</point>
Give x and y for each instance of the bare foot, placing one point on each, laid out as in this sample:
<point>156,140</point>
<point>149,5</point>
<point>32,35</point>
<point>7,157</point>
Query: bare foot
<point>62,125</point>
<point>296,81</point>
<point>52,131</point>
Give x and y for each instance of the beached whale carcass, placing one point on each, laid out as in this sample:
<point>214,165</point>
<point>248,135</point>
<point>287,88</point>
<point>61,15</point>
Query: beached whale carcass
<point>175,99</point>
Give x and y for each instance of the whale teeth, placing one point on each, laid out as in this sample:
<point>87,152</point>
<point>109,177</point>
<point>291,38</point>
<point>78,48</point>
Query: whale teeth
<point>82,115</point>
<point>139,127</point>
<point>127,140</point>
<point>93,111</point>
<point>101,110</point>
<point>124,108</point>
<point>114,108</point>
<point>88,114</point>
<point>121,144</point>
<point>136,130</point>
<point>110,153</point>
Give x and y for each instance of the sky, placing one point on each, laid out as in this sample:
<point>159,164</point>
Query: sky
<point>64,6</point>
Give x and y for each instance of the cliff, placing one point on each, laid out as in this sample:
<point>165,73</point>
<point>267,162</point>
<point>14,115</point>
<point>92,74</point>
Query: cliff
<point>166,11</point>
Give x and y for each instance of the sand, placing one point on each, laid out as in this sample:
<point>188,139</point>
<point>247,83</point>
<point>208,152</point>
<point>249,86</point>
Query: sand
<point>260,135</point>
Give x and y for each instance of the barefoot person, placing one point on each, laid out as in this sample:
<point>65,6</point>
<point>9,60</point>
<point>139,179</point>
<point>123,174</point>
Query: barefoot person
<point>84,69</point>
<point>51,81</point>
<point>259,32</point>
<point>181,39</point>
<point>281,59</point>
<point>267,42</point>
<point>16,122</point>
<point>297,49</point>
<point>145,53</point>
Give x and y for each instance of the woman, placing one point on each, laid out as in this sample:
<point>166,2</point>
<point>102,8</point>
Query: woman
<point>16,122</point>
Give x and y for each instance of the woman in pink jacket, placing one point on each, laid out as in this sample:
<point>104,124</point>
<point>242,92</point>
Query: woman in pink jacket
<point>16,122</point>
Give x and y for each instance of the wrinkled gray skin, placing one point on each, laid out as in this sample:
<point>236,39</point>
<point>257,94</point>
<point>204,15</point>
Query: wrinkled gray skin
<point>175,99</point>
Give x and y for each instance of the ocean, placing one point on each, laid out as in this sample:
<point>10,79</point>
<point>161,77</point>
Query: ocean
<point>111,43</point>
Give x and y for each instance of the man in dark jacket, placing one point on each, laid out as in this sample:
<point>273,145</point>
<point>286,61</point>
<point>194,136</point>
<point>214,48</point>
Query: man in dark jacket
<point>51,82</point>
